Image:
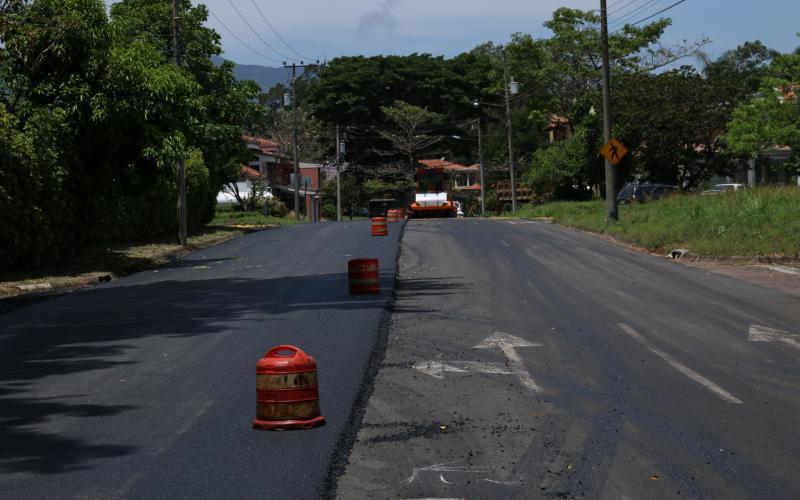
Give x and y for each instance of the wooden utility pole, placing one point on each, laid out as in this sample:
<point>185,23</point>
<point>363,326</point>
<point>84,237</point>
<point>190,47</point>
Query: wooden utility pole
<point>508,129</point>
<point>295,159</point>
<point>611,181</point>
<point>181,167</point>
<point>480,165</point>
<point>338,176</point>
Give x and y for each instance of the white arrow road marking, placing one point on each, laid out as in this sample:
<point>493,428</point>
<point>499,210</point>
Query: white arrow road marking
<point>502,340</point>
<point>447,467</point>
<point>450,467</point>
<point>760,333</point>
<point>437,368</point>
<point>508,344</point>
<point>711,386</point>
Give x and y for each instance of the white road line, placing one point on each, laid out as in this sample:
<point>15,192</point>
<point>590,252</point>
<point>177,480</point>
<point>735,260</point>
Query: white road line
<point>781,269</point>
<point>504,242</point>
<point>758,333</point>
<point>711,386</point>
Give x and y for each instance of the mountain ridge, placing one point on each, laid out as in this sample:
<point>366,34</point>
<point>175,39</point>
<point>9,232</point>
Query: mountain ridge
<point>265,76</point>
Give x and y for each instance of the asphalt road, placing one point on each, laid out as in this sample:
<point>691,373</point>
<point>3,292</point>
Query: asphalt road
<point>526,360</point>
<point>145,387</point>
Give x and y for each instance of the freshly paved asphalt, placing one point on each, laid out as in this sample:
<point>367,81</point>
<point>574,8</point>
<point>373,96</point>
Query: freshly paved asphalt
<point>648,386</point>
<point>145,387</point>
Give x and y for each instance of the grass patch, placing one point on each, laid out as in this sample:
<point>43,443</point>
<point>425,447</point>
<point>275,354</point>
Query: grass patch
<point>755,222</point>
<point>101,263</point>
<point>228,217</point>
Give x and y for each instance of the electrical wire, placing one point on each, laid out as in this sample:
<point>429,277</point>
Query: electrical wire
<point>254,51</point>
<point>608,9</point>
<point>273,49</point>
<point>621,20</point>
<point>653,15</point>
<point>276,31</point>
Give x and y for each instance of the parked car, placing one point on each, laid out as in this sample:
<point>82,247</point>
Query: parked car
<point>645,192</point>
<point>721,188</point>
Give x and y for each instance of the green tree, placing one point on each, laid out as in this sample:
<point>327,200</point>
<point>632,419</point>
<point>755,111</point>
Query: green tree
<point>773,116</point>
<point>109,113</point>
<point>410,134</point>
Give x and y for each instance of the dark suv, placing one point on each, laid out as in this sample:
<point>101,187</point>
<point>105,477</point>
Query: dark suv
<point>644,192</point>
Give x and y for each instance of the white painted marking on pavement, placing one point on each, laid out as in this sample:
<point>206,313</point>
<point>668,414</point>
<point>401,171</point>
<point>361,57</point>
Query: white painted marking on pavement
<point>437,369</point>
<point>447,467</point>
<point>760,333</point>
<point>445,481</point>
<point>501,340</point>
<point>781,269</point>
<point>711,386</point>
<point>504,242</point>
<point>508,344</point>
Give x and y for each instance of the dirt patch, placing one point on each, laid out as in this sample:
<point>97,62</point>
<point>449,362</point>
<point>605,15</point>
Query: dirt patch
<point>752,271</point>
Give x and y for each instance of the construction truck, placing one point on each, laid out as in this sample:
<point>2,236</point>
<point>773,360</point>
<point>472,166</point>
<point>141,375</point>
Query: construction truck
<point>431,199</point>
<point>503,190</point>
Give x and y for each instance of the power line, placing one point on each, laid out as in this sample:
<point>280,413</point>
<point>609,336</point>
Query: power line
<point>256,32</point>
<point>619,21</point>
<point>629,3</point>
<point>276,31</point>
<point>254,51</point>
<point>653,15</point>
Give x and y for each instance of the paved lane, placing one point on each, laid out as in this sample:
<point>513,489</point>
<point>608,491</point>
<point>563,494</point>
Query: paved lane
<point>145,387</point>
<point>526,360</point>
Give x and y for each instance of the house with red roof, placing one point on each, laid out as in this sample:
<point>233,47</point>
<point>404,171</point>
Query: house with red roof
<point>269,164</point>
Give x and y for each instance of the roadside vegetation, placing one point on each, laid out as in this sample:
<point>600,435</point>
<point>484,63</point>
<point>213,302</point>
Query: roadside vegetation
<point>757,222</point>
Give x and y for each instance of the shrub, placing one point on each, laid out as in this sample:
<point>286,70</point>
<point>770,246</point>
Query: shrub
<point>274,207</point>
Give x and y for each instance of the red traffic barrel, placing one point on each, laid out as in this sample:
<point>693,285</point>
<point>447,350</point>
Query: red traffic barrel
<point>363,276</point>
<point>287,393</point>
<point>379,227</point>
<point>392,216</point>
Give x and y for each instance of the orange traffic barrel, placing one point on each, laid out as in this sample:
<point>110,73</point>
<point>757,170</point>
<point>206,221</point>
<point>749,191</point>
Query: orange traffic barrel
<point>392,216</point>
<point>401,214</point>
<point>287,393</point>
<point>363,276</point>
<point>379,227</point>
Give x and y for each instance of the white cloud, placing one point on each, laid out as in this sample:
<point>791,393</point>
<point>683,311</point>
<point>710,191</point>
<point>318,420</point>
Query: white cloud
<point>381,18</point>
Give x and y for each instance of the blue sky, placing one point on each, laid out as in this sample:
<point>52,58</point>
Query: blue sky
<point>329,28</point>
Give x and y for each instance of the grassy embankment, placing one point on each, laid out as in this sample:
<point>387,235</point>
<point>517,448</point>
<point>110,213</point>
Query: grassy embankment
<point>757,222</point>
<point>122,258</point>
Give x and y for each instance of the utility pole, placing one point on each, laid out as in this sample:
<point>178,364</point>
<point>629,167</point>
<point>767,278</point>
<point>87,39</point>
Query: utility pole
<point>611,181</point>
<point>295,159</point>
<point>338,177</point>
<point>181,168</point>
<point>508,128</point>
<point>480,165</point>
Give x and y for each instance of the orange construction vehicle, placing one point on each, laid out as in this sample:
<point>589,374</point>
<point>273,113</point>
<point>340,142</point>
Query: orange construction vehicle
<point>431,199</point>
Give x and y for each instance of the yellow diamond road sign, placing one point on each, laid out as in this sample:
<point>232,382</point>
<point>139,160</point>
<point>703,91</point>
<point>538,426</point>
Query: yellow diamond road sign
<point>614,151</point>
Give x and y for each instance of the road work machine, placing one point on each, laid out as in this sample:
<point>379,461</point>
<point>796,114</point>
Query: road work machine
<point>431,199</point>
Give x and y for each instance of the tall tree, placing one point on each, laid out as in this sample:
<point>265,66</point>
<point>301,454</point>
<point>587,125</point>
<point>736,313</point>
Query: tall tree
<point>411,134</point>
<point>772,118</point>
